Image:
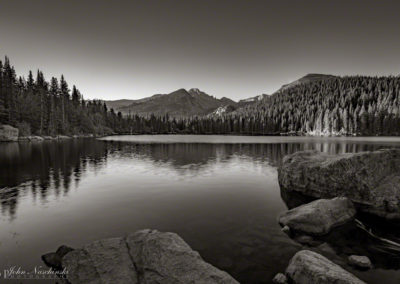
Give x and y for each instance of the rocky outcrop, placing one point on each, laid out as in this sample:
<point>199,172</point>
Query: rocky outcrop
<point>320,216</point>
<point>8,133</point>
<point>370,179</point>
<point>147,256</point>
<point>310,267</point>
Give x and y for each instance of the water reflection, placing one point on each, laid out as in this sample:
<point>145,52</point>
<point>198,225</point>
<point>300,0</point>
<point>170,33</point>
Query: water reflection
<point>223,199</point>
<point>51,168</point>
<point>44,168</point>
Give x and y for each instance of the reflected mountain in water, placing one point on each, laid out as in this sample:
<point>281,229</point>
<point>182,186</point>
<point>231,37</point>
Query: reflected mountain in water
<point>50,167</point>
<point>221,196</point>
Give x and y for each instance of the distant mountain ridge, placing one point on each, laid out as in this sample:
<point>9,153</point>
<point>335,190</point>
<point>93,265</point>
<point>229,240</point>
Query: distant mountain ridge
<point>178,103</point>
<point>309,78</point>
<point>191,102</point>
<point>316,105</point>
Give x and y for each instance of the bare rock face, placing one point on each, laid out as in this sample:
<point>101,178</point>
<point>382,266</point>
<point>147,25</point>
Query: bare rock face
<point>147,256</point>
<point>103,261</point>
<point>166,258</point>
<point>310,267</point>
<point>370,179</point>
<point>320,216</point>
<point>8,133</point>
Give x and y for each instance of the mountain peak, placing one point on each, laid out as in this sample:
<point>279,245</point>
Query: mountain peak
<point>180,91</point>
<point>194,91</point>
<point>311,77</point>
<point>317,76</point>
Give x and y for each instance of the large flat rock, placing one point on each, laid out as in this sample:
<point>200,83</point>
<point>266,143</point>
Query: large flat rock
<point>147,256</point>
<point>319,217</point>
<point>310,267</point>
<point>370,179</point>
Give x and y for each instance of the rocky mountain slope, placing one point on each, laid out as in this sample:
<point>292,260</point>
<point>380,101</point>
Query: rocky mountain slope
<point>195,102</point>
<point>178,103</point>
<point>309,78</point>
<point>316,104</point>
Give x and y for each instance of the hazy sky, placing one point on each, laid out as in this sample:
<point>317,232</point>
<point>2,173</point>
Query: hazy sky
<point>132,49</point>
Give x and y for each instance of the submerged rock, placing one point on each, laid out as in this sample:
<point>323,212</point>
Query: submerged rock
<point>8,133</point>
<point>320,216</point>
<point>306,240</point>
<point>286,230</point>
<point>310,267</point>
<point>53,259</point>
<point>280,278</point>
<point>326,248</point>
<point>360,261</point>
<point>147,256</point>
<point>370,179</point>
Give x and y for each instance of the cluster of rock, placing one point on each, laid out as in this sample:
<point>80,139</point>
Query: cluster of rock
<point>318,218</point>
<point>147,256</point>
<point>11,134</point>
<point>8,133</point>
<point>58,137</point>
<point>368,181</point>
<point>371,180</point>
<point>310,267</point>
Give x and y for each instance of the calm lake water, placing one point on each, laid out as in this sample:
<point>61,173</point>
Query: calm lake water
<point>219,193</point>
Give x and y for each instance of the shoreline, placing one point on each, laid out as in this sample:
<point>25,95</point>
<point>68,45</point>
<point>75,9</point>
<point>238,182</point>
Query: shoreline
<point>38,138</point>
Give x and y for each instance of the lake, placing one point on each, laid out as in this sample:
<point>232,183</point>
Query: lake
<point>219,193</point>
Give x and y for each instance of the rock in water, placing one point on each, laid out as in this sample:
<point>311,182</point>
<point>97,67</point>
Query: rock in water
<point>280,279</point>
<point>53,259</point>
<point>370,179</point>
<point>286,230</point>
<point>320,216</point>
<point>310,267</point>
<point>8,133</point>
<point>103,261</point>
<point>360,261</point>
<point>166,258</point>
<point>147,256</point>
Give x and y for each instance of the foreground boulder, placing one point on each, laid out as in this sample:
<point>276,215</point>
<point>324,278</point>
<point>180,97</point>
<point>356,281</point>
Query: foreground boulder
<point>147,256</point>
<point>310,267</point>
<point>8,133</point>
<point>370,179</point>
<point>320,216</point>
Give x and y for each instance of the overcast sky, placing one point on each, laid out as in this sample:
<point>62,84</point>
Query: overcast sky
<point>238,49</point>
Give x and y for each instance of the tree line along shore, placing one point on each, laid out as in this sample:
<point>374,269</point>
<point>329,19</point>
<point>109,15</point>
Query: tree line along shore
<point>332,106</point>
